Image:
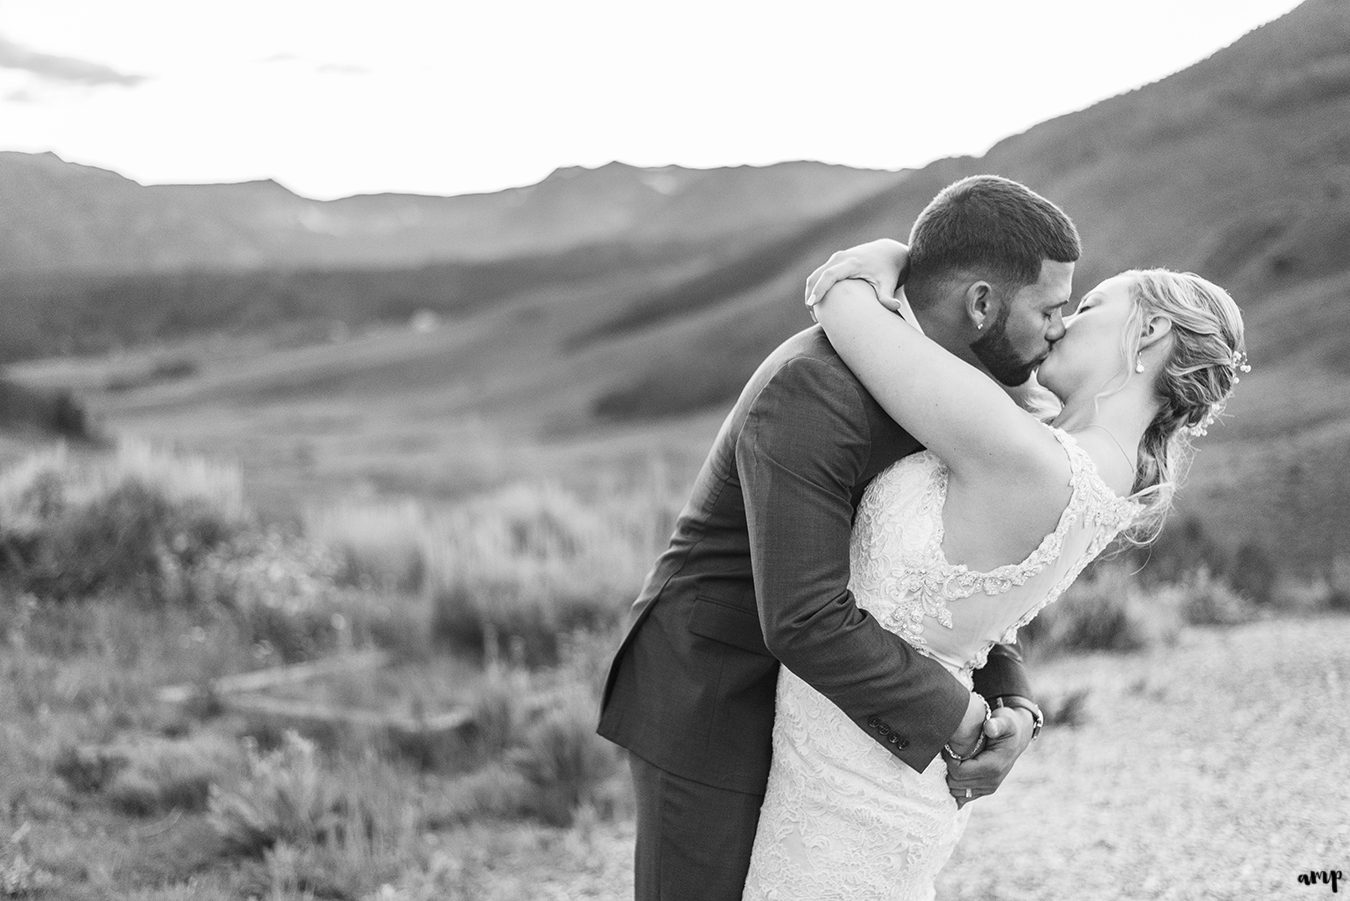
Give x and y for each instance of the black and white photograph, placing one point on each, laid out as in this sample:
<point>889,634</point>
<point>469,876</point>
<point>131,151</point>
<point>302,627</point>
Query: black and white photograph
<point>718,451</point>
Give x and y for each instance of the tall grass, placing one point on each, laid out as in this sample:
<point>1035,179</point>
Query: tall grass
<point>507,573</point>
<point>379,546</point>
<point>173,532</point>
<point>511,570</point>
<point>336,828</point>
<point>531,562</point>
<point>565,764</point>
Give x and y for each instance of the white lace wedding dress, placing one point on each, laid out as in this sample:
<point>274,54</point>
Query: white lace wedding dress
<point>843,818</point>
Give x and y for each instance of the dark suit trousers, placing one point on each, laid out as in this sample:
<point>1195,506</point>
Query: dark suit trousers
<point>693,840</point>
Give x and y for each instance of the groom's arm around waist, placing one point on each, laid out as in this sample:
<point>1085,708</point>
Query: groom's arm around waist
<point>802,450</point>
<point>1004,674</point>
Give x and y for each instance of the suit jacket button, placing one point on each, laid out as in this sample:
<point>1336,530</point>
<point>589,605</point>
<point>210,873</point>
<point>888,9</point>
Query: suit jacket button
<point>884,729</point>
<point>903,743</point>
<point>873,720</point>
<point>893,738</point>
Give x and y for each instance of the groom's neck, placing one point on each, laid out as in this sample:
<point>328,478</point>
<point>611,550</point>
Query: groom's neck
<point>948,331</point>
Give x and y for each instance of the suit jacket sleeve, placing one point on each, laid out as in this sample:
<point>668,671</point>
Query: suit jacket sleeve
<point>801,452</point>
<point>1003,674</point>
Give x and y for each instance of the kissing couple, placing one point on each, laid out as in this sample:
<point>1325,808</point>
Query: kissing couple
<point>822,668</point>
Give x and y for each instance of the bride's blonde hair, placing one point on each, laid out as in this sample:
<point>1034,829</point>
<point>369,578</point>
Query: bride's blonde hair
<point>1208,353</point>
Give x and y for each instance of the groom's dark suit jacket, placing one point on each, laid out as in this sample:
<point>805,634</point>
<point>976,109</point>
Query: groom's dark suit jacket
<point>756,574</point>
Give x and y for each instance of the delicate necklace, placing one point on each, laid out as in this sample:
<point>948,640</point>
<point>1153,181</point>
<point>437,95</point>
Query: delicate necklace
<point>1120,447</point>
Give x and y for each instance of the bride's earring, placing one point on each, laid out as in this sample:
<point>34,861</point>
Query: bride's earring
<point>1139,363</point>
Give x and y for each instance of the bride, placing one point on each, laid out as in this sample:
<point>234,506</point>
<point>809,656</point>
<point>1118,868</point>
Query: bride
<point>957,547</point>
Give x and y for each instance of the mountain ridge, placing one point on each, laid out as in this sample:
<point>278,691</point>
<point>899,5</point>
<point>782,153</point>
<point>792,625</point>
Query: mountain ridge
<point>58,217</point>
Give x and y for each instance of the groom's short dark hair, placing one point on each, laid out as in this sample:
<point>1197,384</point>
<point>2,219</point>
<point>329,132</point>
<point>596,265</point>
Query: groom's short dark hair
<point>992,226</point>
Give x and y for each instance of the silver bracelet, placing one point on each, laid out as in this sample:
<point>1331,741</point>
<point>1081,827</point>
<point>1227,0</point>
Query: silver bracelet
<point>980,740</point>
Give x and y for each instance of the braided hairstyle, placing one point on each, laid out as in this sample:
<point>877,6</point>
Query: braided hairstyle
<point>1207,354</point>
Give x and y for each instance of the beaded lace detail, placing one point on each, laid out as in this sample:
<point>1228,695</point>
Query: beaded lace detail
<point>901,575</point>
<point>844,818</point>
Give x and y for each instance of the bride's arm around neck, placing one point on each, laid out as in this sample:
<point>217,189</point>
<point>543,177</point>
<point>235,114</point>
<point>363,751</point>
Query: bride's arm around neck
<point>952,408</point>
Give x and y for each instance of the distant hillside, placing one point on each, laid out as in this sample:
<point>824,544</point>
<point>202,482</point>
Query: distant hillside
<point>1238,167</point>
<point>61,218</point>
<point>82,314</point>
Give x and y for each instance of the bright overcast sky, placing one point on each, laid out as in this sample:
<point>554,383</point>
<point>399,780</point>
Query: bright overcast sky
<point>332,97</point>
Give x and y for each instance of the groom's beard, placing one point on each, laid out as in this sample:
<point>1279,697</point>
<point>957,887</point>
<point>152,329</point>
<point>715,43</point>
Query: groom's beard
<point>998,355</point>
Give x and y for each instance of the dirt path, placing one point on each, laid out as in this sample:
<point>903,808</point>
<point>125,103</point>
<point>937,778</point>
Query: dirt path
<point>1216,769</point>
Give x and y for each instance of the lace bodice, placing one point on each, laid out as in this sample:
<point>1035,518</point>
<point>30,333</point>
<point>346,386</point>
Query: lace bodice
<point>902,577</point>
<point>844,819</point>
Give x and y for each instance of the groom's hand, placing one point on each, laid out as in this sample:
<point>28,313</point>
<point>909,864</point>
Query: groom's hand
<point>1008,732</point>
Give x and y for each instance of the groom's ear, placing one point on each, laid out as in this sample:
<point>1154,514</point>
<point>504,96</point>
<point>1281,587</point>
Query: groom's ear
<point>980,303</point>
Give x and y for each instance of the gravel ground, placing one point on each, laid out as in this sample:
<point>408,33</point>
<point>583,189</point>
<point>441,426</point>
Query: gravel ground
<point>1217,769</point>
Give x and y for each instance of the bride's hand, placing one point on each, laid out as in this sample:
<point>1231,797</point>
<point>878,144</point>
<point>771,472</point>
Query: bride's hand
<point>883,264</point>
<point>967,736</point>
<point>1007,734</point>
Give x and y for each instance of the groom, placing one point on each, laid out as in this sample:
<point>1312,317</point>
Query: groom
<point>757,570</point>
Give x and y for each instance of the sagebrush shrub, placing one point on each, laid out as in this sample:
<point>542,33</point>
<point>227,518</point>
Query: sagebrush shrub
<point>125,523</point>
<point>1105,610</point>
<point>1207,600</point>
<point>88,769</point>
<point>533,562</point>
<point>284,796</point>
<point>167,774</point>
<point>565,763</point>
